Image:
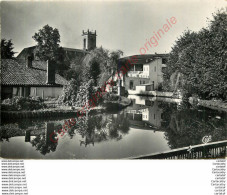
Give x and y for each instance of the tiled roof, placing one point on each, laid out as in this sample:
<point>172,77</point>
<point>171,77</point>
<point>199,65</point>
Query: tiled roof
<point>70,52</point>
<point>75,50</point>
<point>26,52</point>
<point>15,72</point>
<point>142,59</point>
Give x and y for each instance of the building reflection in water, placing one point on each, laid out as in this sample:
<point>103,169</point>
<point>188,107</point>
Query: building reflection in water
<point>145,112</point>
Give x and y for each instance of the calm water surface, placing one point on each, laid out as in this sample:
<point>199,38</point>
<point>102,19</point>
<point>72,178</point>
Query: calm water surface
<point>149,125</point>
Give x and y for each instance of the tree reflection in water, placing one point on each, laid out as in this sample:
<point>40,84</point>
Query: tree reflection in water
<point>98,128</point>
<point>46,141</point>
<point>93,129</point>
<point>182,126</point>
<point>186,126</point>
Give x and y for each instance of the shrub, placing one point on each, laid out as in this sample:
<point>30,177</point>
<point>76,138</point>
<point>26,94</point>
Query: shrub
<point>111,97</point>
<point>69,94</point>
<point>23,103</point>
<point>160,87</point>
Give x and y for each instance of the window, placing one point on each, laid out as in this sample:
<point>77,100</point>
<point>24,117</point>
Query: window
<point>155,68</point>
<point>152,86</point>
<point>7,92</point>
<point>139,67</point>
<point>131,85</point>
<point>162,116</point>
<point>164,69</point>
<point>143,82</point>
<point>84,43</point>
<point>148,103</point>
<point>164,61</point>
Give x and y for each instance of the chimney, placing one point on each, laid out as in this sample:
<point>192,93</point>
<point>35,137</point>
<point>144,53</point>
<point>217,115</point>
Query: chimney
<point>50,72</point>
<point>29,62</point>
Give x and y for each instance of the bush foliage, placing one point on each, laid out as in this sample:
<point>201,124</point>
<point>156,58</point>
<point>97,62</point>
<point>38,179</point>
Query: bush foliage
<point>97,67</point>
<point>23,103</point>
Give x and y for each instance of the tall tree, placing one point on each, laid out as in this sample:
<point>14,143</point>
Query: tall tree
<point>200,60</point>
<point>95,65</point>
<point>95,71</point>
<point>114,57</point>
<point>7,49</point>
<point>101,64</point>
<point>48,40</point>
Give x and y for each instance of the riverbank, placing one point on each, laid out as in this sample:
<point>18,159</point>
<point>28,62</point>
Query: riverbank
<point>119,104</point>
<point>141,90</point>
<point>52,112</point>
<point>213,104</point>
<point>65,110</point>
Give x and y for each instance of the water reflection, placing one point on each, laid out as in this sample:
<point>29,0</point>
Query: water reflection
<point>187,126</point>
<point>183,125</point>
<point>46,141</point>
<point>148,125</point>
<point>145,112</point>
<point>101,128</point>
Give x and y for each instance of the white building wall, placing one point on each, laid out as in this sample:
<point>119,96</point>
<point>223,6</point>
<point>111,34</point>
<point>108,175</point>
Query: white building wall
<point>45,92</point>
<point>154,71</point>
<point>155,114</point>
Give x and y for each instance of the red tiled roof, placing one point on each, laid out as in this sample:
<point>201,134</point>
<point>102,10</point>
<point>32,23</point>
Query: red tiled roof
<point>15,72</point>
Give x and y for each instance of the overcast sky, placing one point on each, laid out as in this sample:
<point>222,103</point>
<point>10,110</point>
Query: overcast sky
<point>119,25</point>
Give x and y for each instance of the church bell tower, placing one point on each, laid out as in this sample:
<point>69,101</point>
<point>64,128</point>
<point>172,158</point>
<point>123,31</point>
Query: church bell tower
<point>89,40</point>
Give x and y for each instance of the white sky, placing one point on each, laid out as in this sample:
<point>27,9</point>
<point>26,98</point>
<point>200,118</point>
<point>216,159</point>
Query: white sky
<point>119,25</point>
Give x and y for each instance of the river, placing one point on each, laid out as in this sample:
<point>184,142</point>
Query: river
<point>149,125</point>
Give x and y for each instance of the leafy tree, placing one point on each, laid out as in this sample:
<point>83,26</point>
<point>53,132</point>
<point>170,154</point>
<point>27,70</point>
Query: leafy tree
<point>114,57</point>
<point>91,75</point>
<point>95,64</point>
<point>48,40</point>
<point>199,59</point>
<point>7,49</point>
<point>101,64</point>
<point>73,74</point>
<point>174,64</point>
<point>48,48</point>
<point>211,57</point>
<point>95,71</point>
